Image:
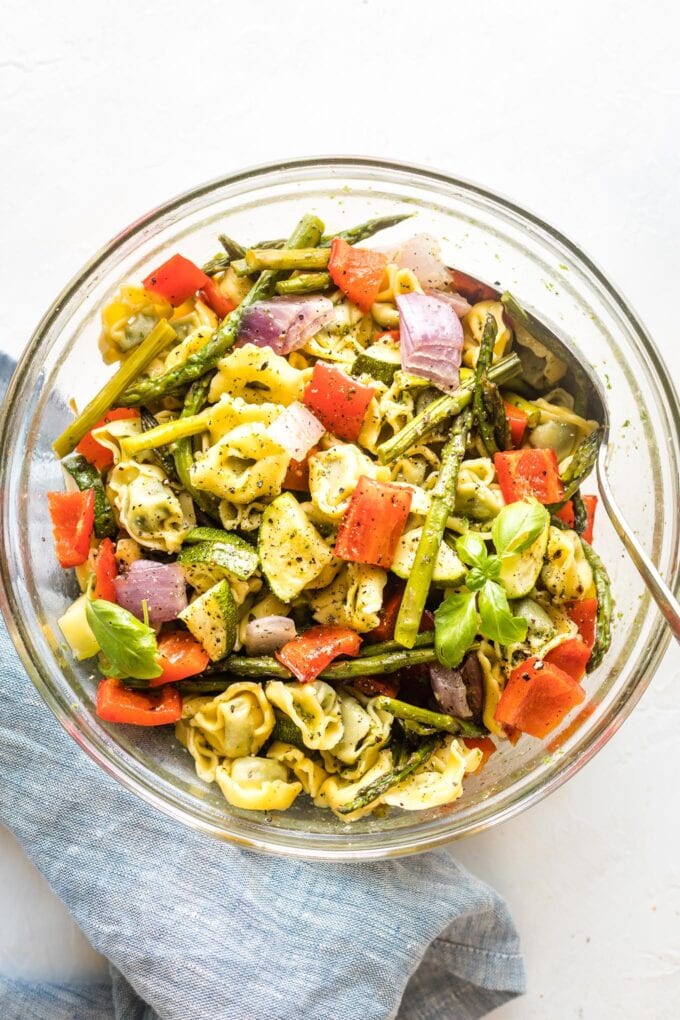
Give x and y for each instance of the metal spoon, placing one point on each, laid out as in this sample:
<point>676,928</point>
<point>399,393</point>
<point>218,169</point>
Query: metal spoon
<point>595,406</point>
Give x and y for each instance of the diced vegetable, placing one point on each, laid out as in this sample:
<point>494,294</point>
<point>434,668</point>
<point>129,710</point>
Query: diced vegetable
<point>176,280</point>
<point>537,697</point>
<point>297,474</point>
<point>431,339</point>
<point>571,657</point>
<point>215,299</point>
<point>212,618</point>
<point>422,255</point>
<point>517,420</point>
<point>448,568</point>
<point>471,289</point>
<point>268,634</point>
<point>86,476</point>
<point>88,447</point>
<point>566,514</point>
<point>307,655</point>
<point>373,523</point>
<point>161,586</point>
<point>285,323</point>
<point>338,401</point>
<point>72,516</point>
<point>388,617</point>
<point>106,571</point>
<point>358,272</point>
<point>179,656</point>
<point>380,361</point>
<point>524,473</point>
<point>118,704</point>
<point>77,631</point>
<point>218,555</point>
<point>584,615</point>
<point>375,686</point>
<point>297,430</point>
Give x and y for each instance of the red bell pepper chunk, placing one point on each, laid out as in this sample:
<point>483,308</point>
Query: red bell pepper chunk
<point>118,704</point>
<point>584,615</point>
<point>566,514</point>
<point>523,473</point>
<point>176,280</point>
<point>72,516</point>
<point>485,745</point>
<point>358,272</point>
<point>307,655</point>
<point>387,621</point>
<point>106,569</point>
<point>571,657</point>
<point>372,686</point>
<point>537,697</point>
<point>393,334</point>
<point>373,523</point>
<point>517,420</point>
<point>215,299</point>
<point>472,290</point>
<point>179,656</point>
<point>297,474</point>
<point>88,447</point>
<point>338,401</point>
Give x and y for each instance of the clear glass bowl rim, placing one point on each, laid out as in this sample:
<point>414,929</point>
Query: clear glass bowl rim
<point>302,845</point>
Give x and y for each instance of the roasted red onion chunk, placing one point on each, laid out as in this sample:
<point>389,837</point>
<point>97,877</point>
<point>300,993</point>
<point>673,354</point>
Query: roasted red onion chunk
<point>160,585</point>
<point>285,323</point>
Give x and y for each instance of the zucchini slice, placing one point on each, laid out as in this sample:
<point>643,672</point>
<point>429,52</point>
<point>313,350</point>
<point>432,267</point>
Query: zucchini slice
<point>210,555</point>
<point>380,361</point>
<point>448,568</point>
<point>212,618</point>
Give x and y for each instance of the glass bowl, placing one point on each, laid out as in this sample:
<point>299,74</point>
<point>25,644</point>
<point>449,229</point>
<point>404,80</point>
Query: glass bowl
<point>488,237</point>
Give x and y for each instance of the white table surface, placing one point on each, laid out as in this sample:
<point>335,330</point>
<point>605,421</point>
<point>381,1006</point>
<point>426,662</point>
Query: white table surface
<point>572,110</point>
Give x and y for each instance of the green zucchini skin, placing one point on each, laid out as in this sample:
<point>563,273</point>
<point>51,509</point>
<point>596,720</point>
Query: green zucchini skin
<point>87,477</point>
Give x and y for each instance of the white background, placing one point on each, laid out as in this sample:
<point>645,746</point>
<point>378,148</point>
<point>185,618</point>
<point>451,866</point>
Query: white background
<point>572,110</point>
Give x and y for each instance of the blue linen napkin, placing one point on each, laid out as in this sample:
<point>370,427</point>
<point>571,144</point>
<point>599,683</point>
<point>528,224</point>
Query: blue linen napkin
<point>196,928</point>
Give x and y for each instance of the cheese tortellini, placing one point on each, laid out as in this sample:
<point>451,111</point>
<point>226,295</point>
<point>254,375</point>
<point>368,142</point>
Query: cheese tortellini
<point>566,574</point>
<point>354,598</point>
<point>237,722</point>
<point>363,727</point>
<point>245,465</point>
<point>493,678</point>
<point>473,328</point>
<point>559,429</point>
<point>313,707</point>
<point>308,772</point>
<point>148,508</point>
<point>259,376</point>
<point>439,781</point>
<point>477,493</point>
<point>257,784</point>
<point>338,792</point>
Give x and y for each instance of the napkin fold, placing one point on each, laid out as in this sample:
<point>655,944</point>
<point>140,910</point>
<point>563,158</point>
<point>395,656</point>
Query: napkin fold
<point>197,928</point>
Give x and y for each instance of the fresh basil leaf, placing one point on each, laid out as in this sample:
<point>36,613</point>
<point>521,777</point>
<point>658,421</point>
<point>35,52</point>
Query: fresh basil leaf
<point>455,628</point>
<point>518,525</point>
<point>471,549</point>
<point>475,579</point>
<point>497,622</point>
<point>128,645</point>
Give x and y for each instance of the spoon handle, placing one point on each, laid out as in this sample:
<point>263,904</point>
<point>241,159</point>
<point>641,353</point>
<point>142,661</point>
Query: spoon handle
<point>659,590</point>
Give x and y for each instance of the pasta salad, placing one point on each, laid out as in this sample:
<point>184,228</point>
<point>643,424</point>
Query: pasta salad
<point>326,521</point>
